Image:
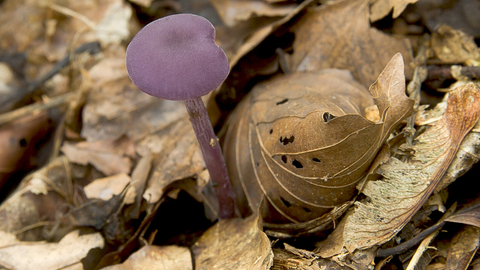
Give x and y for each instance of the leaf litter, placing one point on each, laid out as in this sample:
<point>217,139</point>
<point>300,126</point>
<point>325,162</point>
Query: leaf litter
<point>127,154</point>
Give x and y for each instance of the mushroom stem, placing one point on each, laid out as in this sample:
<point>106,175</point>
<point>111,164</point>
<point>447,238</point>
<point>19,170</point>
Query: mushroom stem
<point>212,154</point>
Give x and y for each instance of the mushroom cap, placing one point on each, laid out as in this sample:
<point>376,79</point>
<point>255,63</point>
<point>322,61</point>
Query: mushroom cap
<point>176,58</point>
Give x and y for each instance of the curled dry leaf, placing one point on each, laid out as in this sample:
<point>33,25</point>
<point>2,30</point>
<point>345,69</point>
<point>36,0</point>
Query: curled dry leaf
<point>157,258</point>
<point>233,12</point>
<point>17,142</point>
<point>234,244</point>
<point>68,253</point>
<point>406,186</point>
<point>309,142</point>
<point>339,35</point>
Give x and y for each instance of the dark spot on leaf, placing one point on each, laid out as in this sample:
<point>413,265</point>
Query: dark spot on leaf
<point>23,142</point>
<point>286,140</point>
<point>282,101</point>
<point>258,164</point>
<point>306,210</point>
<point>327,117</point>
<point>315,160</point>
<point>285,202</point>
<point>284,159</point>
<point>297,164</point>
<point>271,131</point>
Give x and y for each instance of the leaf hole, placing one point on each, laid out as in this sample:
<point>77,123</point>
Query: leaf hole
<point>282,101</point>
<point>306,210</point>
<point>286,140</point>
<point>285,202</point>
<point>315,159</point>
<point>327,117</point>
<point>23,142</point>
<point>284,159</point>
<point>297,164</point>
<point>271,131</point>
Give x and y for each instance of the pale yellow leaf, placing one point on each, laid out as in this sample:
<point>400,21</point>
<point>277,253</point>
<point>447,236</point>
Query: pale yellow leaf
<point>406,186</point>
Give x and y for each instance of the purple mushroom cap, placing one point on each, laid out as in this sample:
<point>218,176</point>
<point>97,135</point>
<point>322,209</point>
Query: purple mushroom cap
<point>176,58</point>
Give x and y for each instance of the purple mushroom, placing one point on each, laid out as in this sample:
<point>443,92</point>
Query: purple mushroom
<point>176,58</point>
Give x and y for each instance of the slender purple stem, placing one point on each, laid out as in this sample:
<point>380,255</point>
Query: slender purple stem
<point>212,154</point>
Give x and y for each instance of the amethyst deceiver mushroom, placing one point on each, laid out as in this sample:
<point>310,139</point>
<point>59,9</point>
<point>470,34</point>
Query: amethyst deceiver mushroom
<point>176,58</point>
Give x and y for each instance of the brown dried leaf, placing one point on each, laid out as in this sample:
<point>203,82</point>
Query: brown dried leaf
<point>464,246</point>
<point>233,12</point>
<point>17,142</point>
<point>454,46</point>
<point>67,253</point>
<point>234,244</point>
<point>180,158</point>
<point>406,186</point>
<point>469,215</point>
<point>339,36</point>
<point>110,157</point>
<point>24,209</point>
<point>309,141</point>
<point>381,8</point>
<point>105,188</point>
<point>157,258</point>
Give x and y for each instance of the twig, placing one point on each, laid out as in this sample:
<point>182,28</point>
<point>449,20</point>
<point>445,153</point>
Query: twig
<point>8,102</point>
<point>445,72</point>
<point>26,110</point>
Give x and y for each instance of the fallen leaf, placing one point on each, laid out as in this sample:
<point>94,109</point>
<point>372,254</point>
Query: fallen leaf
<point>110,157</point>
<point>17,141</point>
<point>469,215</point>
<point>234,11</point>
<point>458,14</point>
<point>406,186</point>
<point>67,253</point>
<point>157,258</point>
<point>25,213</point>
<point>309,141</point>
<point>105,188</point>
<point>454,46</point>
<point>339,35</point>
<point>233,244</point>
<point>465,244</point>
<point>180,158</point>
<point>381,8</point>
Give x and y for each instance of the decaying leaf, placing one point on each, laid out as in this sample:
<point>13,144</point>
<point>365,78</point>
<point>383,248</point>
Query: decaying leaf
<point>308,140</point>
<point>340,36</point>
<point>25,213</point>
<point>68,252</point>
<point>17,142</point>
<point>381,8</point>
<point>464,246</point>
<point>234,244</point>
<point>109,156</point>
<point>180,158</point>
<point>233,12</point>
<point>105,188</point>
<point>454,46</point>
<point>157,258</point>
<point>407,185</point>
